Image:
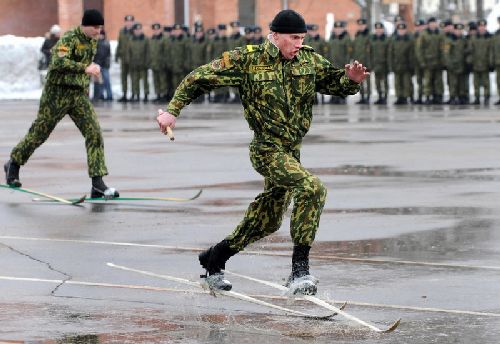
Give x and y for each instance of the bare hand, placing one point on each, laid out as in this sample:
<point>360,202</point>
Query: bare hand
<point>165,120</point>
<point>356,72</point>
<point>93,69</point>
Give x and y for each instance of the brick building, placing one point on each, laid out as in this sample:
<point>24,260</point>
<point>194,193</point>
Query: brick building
<point>35,17</point>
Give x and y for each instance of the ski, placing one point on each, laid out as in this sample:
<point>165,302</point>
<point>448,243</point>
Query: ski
<point>231,294</point>
<point>48,197</point>
<point>321,303</point>
<point>102,199</point>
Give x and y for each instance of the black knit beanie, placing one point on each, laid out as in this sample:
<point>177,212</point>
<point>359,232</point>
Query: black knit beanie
<point>288,21</point>
<point>92,18</point>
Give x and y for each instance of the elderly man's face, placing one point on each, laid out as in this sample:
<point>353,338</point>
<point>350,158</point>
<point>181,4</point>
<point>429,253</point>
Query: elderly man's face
<point>289,44</point>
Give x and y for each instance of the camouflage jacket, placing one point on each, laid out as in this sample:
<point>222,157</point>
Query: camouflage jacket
<point>277,94</point>
<point>70,56</point>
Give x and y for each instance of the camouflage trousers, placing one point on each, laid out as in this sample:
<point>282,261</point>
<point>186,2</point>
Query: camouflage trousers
<point>456,84</point>
<point>382,84</point>
<point>285,179</point>
<point>55,103</point>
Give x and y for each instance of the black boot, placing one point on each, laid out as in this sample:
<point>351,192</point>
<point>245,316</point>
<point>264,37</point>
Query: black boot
<point>428,101</point>
<point>300,281</point>
<point>438,100</point>
<point>214,261</point>
<point>145,100</point>
<point>100,190</point>
<point>123,99</point>
<point>476,101</point>
<point>361,101</point>
<point>11,169</point>
<point>487,100</point>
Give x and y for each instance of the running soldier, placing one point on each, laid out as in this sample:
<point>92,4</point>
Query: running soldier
<point>277,81</point>
<point>66,92</point>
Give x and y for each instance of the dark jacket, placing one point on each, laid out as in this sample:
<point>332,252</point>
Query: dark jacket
<point>103,54</point>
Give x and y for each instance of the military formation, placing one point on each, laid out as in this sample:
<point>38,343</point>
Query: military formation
<point>422,61</point>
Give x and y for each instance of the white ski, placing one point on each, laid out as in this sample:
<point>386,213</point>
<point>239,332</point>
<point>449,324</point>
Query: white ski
<point>321,303</point>
<point>231,294</point>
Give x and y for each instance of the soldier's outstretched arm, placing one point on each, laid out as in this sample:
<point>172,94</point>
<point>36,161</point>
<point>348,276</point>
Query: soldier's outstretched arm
<point>332,80</point>
<point>224,71</point>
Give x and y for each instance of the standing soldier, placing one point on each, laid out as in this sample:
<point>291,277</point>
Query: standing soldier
<point>472,31</point>
<point>166,63</point>
<point>221,44</point>
<point>340,49</point>
<point>496,55</point>
<point>122,54</point>
<point>418,70</point>
<point>430,56</point>
<point>400,62</point>
<point>380,62</point>
<point>258,38</point>
<point>157,55</point>
<point>449,35</point>
<point>454,57</point>
<point>66,93</point>
<point>177,54</point>
<point>248,38</point>
<point>314,40</point>
<point>235,40</point>
<point>482,61</point>
<point>361,52</point>
<point>198,53</point>
<point>278,80</point>
<point>139,60</point>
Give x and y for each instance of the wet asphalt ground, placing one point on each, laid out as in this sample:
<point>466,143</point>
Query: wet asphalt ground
<point>410,229</point>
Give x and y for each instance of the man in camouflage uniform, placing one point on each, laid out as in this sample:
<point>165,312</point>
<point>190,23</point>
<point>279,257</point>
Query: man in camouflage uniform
<point>66,92</point>
<point>400,62</point>
<point>379,58</point>
<point>156,56</point>
<point>361,52</point>
<point>430,56</point>
<point>277,82</point>
<point>454,57</point>
<point>482,61</point>
<point>122,54</point>
<point>339,49</point>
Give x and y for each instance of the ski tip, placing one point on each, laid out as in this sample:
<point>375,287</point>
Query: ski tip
<point>393,326</point>
<point>197,195</point>
<point>343,306</point>
<point>79,200</point>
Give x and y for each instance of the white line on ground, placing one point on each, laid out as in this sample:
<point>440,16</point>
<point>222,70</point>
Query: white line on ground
<point>273,297</point>
<point>262,253</point>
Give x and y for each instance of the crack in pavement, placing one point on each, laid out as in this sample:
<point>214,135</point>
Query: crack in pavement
<point>68,277</point>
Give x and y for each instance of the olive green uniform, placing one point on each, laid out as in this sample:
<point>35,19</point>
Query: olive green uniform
<point>361,52</point>
<point>482,61</point>
<point>400,63</point>
<point>495,40</point>
<point>380,65</point>
<point>122,55</point>
<point>156,63</point>
<point>454,57</point>
<point>277,97</point>
<point>429,50</point>
<point>66,92</point>
<point>139,61</point>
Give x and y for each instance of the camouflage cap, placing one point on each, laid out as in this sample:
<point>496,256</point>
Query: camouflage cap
<point>431,20</point>
<point>156,26</point>
<point>420,22</point>
<point>177,27</point>
<point>401,26</point>
<point>379,25</point>
<point>458,26</point>
<point>482,22</point>
<point>234,23</point>
<point>398,18</point>
<point>248,29</point>
<point>129,18</point>
<point>339,23</point>
<point>257,29</point>
<point>361,21</point>
<point>137,26</point>
<point>222,27</point>
<point>211,31</point>
<point>167,28</point>
<point>312,27</point>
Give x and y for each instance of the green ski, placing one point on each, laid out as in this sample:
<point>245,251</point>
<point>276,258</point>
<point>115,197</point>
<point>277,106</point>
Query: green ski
<point>102,199</point>
<point>48,197</point>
